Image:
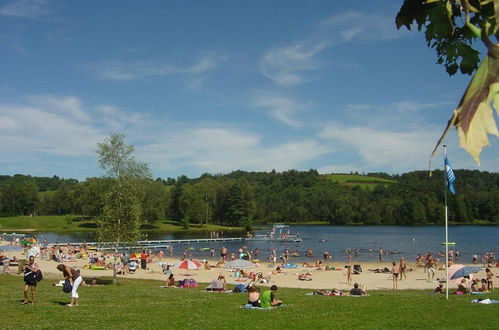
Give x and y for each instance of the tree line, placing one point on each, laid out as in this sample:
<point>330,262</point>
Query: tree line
<point>245,198</point>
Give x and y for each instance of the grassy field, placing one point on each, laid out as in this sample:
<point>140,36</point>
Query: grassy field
<point>59,224</point>
<point>365,182</point>
<point>143,305</point>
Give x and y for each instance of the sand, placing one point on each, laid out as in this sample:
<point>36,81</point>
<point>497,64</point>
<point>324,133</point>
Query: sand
<point>321,279</point>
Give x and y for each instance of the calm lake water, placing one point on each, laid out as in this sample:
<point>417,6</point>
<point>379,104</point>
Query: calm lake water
<point>406,241</point>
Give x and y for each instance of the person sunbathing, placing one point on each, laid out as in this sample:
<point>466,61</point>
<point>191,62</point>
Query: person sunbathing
<point>221,278</point>
<point>277,270</point>
<point>356,291</point>
<point>170,282</point>
<point>475,285</point>
<point>305,277</point>
<point>484,286</point>
<point>268,298</point>
<point>439,289</point>
<point>254,296</point>
<point>323,292</point>
<point>461,288</point>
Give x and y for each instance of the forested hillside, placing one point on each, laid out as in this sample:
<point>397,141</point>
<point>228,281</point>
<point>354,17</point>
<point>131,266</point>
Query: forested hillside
<point>246,198</point>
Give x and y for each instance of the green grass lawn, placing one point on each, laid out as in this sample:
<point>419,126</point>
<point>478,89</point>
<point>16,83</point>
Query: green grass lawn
<point>58,224</point>
<point>140,304</point>
<point>363,181</point>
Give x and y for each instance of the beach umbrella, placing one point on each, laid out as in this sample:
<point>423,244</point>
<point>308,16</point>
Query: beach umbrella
<point>188,264</point>
<point>10,248</point>
<point>26,242</point>
<point>215,285</point>
<point>464,271</point>
<point>239,264</point>
<point>34,251</point>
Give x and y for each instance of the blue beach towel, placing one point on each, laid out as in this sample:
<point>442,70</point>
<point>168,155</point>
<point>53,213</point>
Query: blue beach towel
<point>250,306</point>
<point>290,266</point>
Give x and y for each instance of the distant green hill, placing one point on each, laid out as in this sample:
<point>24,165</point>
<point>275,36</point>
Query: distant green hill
<point>363,181</point>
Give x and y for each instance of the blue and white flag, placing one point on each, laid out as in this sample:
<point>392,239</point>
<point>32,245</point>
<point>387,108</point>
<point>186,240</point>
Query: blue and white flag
<point>450,177</point>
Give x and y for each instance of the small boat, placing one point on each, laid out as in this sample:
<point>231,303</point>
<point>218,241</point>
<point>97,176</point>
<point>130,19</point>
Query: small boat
<point>276,235</point>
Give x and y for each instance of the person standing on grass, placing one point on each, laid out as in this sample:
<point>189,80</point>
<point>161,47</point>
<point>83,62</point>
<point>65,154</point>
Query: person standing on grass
<point>30,280</point>
<point>395,275</point>
<point>73,276</point>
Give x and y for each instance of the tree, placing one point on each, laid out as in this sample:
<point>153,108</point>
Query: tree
<point>120,219</point>
<point>451,27</point>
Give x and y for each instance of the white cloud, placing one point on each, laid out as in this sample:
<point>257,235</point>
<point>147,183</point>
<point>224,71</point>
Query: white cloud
<point>65,105</point>
<point>50,127</point>
<point>35,130</point>
<point>58,126</point>
<point>360,26</point>
<point>25,8</point>
<point>222,149</point>
<point>384,148</point>
<point>280,108</point>
<point>290,65</point>
<point>115,70</point>
<point>294,64</point>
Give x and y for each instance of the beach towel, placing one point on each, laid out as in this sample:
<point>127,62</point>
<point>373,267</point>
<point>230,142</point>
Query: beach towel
<point>290,266</point>
<point>331,295</point>
<point>250,306</point>
<point>239,288</point>
<point>485,301</point>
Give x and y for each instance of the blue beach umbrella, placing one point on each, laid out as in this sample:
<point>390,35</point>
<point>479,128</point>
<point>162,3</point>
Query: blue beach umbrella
<point>8,248</point>
<point>465,271</point>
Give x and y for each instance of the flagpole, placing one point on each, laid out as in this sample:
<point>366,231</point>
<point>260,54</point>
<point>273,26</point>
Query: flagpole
<point>446,230</point>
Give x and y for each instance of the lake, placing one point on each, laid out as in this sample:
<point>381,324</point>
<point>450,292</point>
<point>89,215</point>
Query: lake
<point>405,241</point>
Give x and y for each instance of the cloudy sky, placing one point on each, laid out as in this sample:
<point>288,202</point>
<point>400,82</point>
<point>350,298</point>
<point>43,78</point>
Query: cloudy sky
<point>216,86</point>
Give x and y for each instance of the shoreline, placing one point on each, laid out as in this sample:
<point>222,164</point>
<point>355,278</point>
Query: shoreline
<point>320,279</point>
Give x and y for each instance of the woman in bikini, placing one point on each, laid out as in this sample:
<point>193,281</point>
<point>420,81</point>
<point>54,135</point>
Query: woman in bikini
<point>395,275</point>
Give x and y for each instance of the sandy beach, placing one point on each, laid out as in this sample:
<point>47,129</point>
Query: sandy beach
<point>416,278</point>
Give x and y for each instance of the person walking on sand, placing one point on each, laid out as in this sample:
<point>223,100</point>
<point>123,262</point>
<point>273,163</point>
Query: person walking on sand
<point>30,280</point>
<point>430,267</point>
<point>349,274</point>
<point>403,268</point>
<point>73,276</point>
<point>395,275</point>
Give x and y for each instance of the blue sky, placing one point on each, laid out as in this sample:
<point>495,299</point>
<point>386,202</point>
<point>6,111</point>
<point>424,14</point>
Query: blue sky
<point>216,86</point>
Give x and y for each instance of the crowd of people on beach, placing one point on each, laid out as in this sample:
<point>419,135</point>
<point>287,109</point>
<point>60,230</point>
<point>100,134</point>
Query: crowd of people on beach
<point>125,263</point>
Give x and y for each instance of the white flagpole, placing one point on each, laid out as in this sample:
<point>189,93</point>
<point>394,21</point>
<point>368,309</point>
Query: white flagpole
<point>446,230</point>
